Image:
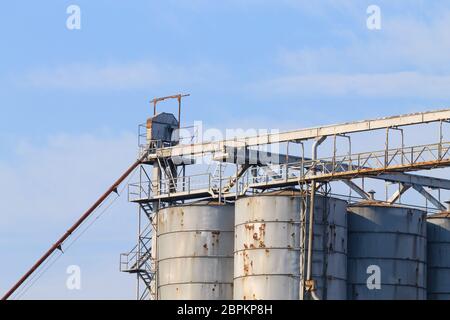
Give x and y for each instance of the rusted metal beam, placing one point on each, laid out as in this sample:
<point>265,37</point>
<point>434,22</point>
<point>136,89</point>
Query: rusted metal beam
<point>58,244</point>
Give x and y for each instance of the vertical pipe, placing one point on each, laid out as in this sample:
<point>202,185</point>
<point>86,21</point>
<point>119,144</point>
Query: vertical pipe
<point>138,252</point>
<point>440,140</point>
<point>334,153</point>
<point>350,153</point>
<point>157,172</point>
<point>311,211</point>
<point>310,230</point>
<point>138,249</point>
<point>403,144</point>
<point>287,161</point>
<point>237,181</point>
<point>386,151</point>
<point>302,248</point>
<point>157,206</point>
<point>179,111</point>
<point>220,182</point>
<point>184,178</point>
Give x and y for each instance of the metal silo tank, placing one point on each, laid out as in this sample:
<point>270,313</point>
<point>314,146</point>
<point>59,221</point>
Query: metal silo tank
<point>195,252</point>
<point>393,239</point>
<point>438,235</point>
<point>267,247</point>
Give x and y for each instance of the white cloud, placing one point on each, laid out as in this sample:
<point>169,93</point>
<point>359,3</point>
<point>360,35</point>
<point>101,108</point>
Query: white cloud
<point>407,58</point>
<point>120,76</point>
<point>424,45</point>
<point>94,77</point>
<point>405,43</point>
<point>399,84</point>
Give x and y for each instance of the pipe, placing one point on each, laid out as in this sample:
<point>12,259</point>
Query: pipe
<point>311,212</point>
<point>72,229</point>
<point>310,230</point>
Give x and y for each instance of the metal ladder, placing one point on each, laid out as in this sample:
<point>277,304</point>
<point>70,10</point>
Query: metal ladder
<point>170,170</point>
<point>232,182</point>
<point>219,171</point>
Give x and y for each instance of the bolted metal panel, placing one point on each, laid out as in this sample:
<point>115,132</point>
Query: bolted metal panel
<point>195,252</point>
<point>392,238</point>
<point>438,235</point>
<point>267,247</point>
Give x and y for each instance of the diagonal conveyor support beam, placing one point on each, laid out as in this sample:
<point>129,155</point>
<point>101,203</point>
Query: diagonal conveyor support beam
<point>429,197</point>
<point>357,189</point>
<point>397,194</point>
<point>413,179</point>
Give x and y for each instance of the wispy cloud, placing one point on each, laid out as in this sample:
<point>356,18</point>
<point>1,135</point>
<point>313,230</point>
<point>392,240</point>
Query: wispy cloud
<point>399,84</point>
<point>120,76</point>
<point>407,58</point>
<point>83,76</point>
<point>404,43</point>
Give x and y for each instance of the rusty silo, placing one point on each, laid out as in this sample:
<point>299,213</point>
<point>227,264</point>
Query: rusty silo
<point>267,247</point>
<point>195,252</point>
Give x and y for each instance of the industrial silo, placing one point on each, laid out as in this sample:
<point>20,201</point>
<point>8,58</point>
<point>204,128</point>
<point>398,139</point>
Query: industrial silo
<point>195,252</point>
<point>267,247</point>
<point>386,252</point>
<point>438,235</point>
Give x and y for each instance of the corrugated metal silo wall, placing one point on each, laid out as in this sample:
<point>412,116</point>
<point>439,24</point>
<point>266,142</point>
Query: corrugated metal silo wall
<point>438,234</point>
<point>267,242</point>
<point>195,252</point>
<point>392,238</point>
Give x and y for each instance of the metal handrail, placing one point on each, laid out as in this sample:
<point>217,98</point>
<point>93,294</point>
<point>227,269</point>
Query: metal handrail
<point>304,169</point>
<point>137,250</point>
<point>145,189</point>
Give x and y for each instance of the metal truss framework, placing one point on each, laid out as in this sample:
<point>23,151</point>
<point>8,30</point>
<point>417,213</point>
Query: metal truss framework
<point>253,175</point>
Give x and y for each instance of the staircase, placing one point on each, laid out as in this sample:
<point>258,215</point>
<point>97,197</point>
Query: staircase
<point>139,260</point>
<point>234,179</point>
<point>148,209</point>
<point>170,170</point>
<point>219,173</point>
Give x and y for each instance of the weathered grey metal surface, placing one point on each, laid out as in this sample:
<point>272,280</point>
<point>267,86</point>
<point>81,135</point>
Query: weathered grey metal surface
<point>438,235</point>
<point>392,238</point>
<point>267,247</point>
<point>161,127</point>
<point>195,252</point>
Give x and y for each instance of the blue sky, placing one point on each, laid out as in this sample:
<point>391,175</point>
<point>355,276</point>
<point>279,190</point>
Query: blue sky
<point>71,100</point>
